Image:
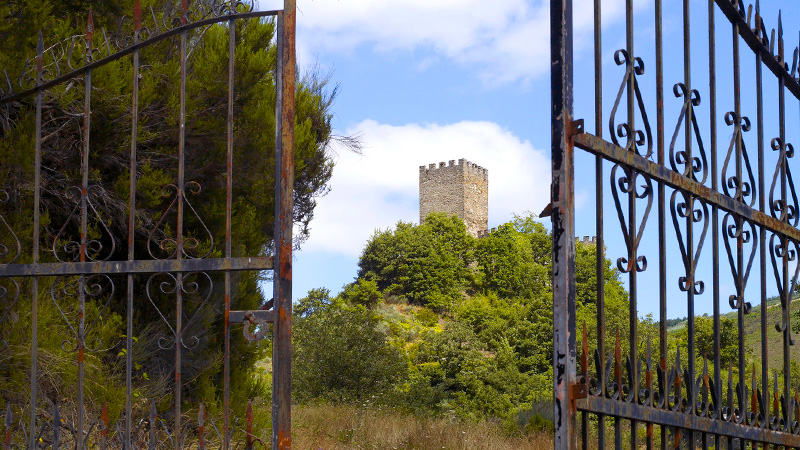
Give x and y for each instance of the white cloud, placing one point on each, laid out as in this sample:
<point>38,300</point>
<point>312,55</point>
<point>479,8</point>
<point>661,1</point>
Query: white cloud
<point>505,40</point>
<point>375,190</point>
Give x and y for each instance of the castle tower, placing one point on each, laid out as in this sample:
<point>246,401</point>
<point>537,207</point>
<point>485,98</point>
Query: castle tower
<point>461,189</point>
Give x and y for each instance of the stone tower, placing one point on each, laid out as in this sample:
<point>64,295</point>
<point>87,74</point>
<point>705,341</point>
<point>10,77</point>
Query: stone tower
<point>461,189</point>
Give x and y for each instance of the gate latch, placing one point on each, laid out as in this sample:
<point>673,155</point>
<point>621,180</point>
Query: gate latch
<point>258,319</point>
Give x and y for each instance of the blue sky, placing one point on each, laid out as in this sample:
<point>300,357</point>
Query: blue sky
<point>425,81</point>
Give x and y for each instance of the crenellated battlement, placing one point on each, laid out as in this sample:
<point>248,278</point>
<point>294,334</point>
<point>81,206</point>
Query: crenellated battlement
<point>461,165</point>
<point>460,188</point>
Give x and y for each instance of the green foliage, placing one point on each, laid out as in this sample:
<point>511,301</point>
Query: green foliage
<point>340,355</point>
<point>157,167</point>
<point>362,292</point>
<point>473,318</point>
<point>426,264</point>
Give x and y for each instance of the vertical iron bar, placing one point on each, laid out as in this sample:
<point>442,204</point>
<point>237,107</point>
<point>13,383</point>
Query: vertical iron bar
<point>599,246</point>
<point>179,230</point>
<point>787,337</point>
<point>712,120</point>
<point>226,376</point>
<point>633,316</point>
<point>563,223</point>
<point>137,27</point>
<point>284,165</point>
<point>662,234</point>
<point>690,272</point>
<point>37,185</point>
<point>762,230</point>
<point>87,111</point>
<point>739,219</point>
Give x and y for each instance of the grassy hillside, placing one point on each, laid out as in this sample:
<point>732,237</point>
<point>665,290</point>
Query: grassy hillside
<point>752,333</point>
<point>344,427</point>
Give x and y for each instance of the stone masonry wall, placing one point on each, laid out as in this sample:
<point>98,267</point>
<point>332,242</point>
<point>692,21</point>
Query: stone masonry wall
<point>461,189</point>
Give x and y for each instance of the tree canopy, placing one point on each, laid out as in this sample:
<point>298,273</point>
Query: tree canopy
<point>157,168</point>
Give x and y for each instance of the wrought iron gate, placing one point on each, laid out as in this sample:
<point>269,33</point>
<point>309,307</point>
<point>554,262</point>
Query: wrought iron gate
<point>173,268</point>
<point>729,201</point>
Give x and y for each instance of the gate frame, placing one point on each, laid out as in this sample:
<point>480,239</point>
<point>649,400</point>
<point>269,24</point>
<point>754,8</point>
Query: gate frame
<point>281,263</point>
<point>742,421</point>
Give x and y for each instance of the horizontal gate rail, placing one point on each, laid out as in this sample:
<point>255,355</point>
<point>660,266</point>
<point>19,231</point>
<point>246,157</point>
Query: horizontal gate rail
<point>657,172</point>
<point>45,85</point>
<point>136,266</point>
<point>685,421</point>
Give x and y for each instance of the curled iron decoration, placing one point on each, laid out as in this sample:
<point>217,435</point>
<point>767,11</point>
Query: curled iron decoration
<point>197,285</point>
<point>692,165</point>
<point>785,211</point>
<point>161,244</point>
<point>740,230</point>
<point>693,211</point>
<point>744,190</point>
<point>9,294</point>
<point>68,249</point>
<point>65,292</point>
<point>9,251</point>
<point>75,53</point>
<point>637,140</point>
<point>625,183</point>
<point>784,252</point>
<point>261,327</point>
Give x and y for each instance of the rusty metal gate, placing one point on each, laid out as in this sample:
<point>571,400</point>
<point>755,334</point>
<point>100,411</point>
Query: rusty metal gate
<point>104,265</point>
<point>716,201</point>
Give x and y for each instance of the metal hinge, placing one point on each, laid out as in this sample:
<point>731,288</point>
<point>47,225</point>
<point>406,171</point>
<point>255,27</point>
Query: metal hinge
<point>578,391</point>
<point>575,127</point>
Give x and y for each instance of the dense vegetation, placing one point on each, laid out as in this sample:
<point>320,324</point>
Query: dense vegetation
<point>438,322</point>
<point>157,170</point>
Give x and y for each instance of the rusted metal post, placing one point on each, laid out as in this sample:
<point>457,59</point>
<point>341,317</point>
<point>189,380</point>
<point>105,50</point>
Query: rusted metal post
<point>282,285</point>
<point>562,191</point>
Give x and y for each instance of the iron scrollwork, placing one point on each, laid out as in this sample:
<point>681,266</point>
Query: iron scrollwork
<point>162,245</point>
<point>74,54</point>
<point>693,211</point>
<point>70,249</point>
<point>626,183</point>
<point>735,185</point>
<point>194,284</point>
<point>636,139</point>
<point>98,288</point>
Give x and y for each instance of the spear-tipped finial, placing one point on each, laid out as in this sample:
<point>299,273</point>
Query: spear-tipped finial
<point>8,419</point>
<point>617,358</point>
<point>730,375</point>
<point>89,27</point>
<point>104,419</point>
<point>201,415</point>
<point>775,383</point>
<point>249,424</point>
<point>201,426</point>
<point>137,15</point>
<point>184,11</point>
<point>585,349</point>
<point>56,425</point>
<point>758,20</point>
<point>780,36</point>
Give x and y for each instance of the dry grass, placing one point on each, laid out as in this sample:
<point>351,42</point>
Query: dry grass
<point>330,427</point>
